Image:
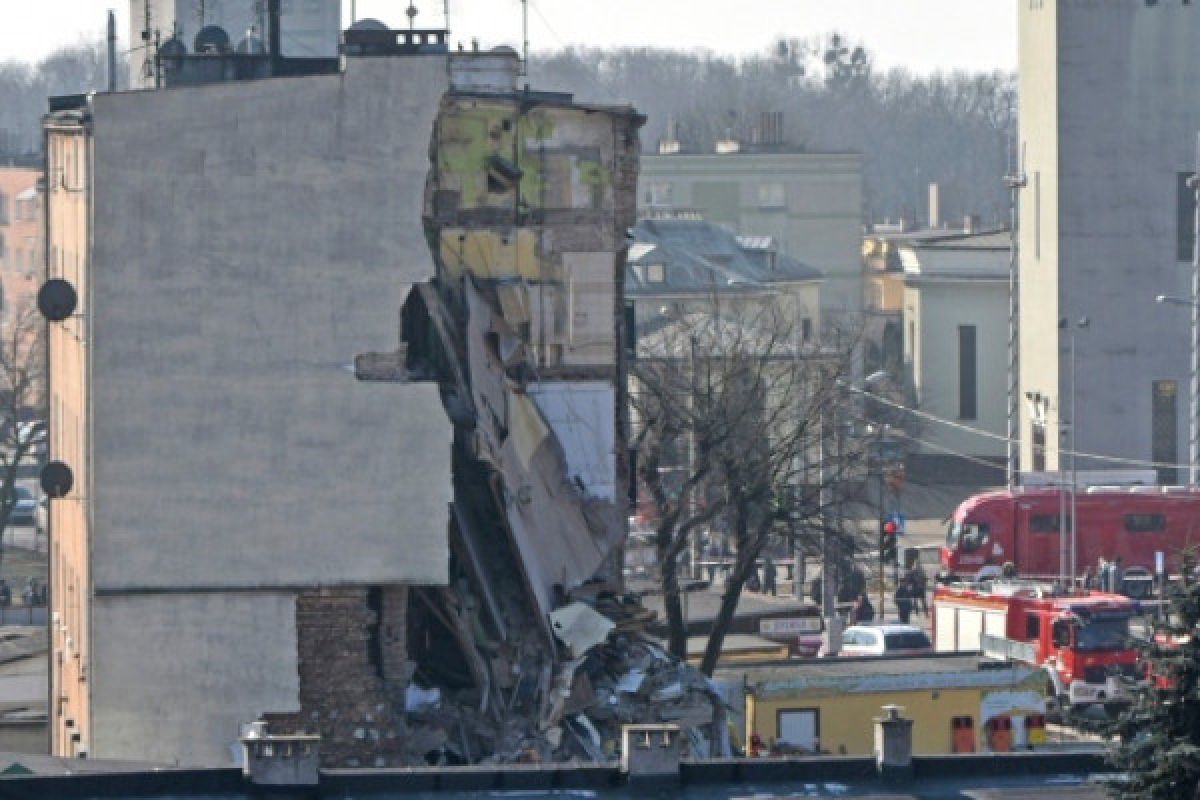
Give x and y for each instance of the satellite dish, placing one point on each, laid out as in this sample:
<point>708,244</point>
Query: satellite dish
<point>57,479</point>
<point>212,39</point>
<point>369,24</point>
<point>57,299</point>
<point>173,48</point>
<point>251,45</point>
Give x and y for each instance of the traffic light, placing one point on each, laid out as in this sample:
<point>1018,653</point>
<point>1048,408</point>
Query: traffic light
<point>887,543</point>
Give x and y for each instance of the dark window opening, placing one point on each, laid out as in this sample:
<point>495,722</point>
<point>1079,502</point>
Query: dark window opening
<point>374,642</point>
<point>1048,523</point>
<point>1039,447</point>
<point>1145,523</point>
<point>1185,221</point>
<point>1033,627</point>
<point>967,375</point>
<point>1164,433</point>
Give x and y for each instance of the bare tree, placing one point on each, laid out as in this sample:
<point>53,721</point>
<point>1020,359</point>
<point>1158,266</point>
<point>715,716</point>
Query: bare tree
<point>22,383</point>
<point>729,407</point>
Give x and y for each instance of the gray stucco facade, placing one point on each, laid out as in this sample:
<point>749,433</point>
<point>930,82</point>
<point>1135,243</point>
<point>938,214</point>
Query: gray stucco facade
<point>1110,109</point>
<point>247,241</point>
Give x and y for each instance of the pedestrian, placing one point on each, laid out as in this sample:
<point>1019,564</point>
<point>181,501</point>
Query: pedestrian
<point>1102,574</point>
<point>1117,576</point>
<point>769,576</point>
<point>904,601</point>
<point>862,612</point>
<point>920,587</point>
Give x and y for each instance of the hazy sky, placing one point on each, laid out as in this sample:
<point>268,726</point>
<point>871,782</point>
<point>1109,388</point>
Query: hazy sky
<point>922,34</point>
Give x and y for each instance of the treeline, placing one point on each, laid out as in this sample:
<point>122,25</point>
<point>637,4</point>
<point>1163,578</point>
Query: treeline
<point>954,129</point>
<point>24,88</point>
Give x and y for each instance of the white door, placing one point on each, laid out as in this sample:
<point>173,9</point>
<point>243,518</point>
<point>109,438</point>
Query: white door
<point>800,729</point>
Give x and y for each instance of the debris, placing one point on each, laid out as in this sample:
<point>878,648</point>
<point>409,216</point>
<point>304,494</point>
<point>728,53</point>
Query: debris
<point>418,699</point>
<point>631,681</point>
<point>580,628</point>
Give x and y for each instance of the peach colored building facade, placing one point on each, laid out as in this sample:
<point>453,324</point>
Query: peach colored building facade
<point>21,261</point>
<point>67,223</point>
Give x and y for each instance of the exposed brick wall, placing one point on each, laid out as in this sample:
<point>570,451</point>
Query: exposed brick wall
<point>343,697</point>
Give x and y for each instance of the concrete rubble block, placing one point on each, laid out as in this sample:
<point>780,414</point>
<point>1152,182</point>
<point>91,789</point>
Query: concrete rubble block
<point>580,627</point>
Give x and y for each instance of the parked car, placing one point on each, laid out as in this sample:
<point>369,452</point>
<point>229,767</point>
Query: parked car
<point>885,640</point>
<point>23,510</point>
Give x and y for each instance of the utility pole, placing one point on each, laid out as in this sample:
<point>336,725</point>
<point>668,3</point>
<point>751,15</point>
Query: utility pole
<point>1083,323</point>
<point>1194,400</point>
<point>1015,182</point>
<point>833,623</point>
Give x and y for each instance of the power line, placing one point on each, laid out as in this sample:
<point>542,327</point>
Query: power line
<point>1132,462</point>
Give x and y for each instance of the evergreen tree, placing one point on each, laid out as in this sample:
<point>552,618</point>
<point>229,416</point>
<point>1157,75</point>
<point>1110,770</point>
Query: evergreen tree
<point>1157,739</point>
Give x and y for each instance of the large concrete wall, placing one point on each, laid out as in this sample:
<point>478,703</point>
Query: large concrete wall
<point>175,675</point>
<point>1127,103</point>
<point>251,238</point>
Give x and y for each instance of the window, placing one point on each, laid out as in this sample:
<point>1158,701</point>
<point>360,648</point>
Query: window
<point>1033,627</point>
<point>1145,523</point>
<point>659,194</point>
<point>806,329</point>
<point>1039,447</point>
<point>800,727</point>
<point>967,378</point>
<point>1164,434</point>
<point>656,273</point>
<point>3,209</point>
<point>1061,633</point>
<point>972,536</point>
<point>907,640</point>
<point>1185,219</point>
<point>1047,523</point>
<point>1,246</point>
<point>772,195</point>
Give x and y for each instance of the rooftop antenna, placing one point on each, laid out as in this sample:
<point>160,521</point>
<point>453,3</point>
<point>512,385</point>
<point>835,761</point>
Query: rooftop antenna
<point>525,36</point>
<point>412,14</point>
<point>112,51</point>
<point>446,15</point>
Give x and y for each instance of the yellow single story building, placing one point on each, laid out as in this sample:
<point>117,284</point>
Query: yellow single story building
<point>958,703</point>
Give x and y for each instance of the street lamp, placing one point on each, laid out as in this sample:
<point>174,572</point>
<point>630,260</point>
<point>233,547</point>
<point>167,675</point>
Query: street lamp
<point>1015,182</point>
<point>1081,324</point>
<point>1194,377</point>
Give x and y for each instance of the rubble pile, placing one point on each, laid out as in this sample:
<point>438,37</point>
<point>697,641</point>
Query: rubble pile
<point>610,674</point>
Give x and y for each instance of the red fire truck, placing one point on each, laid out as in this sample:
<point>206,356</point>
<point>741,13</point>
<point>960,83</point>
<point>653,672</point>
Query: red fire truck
<point>1022,526</point>
<point>1081,638</point>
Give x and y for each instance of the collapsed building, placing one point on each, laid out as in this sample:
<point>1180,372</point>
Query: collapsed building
<point>420,560</point>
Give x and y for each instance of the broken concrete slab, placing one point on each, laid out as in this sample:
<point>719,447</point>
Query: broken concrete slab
<point>580,628</point>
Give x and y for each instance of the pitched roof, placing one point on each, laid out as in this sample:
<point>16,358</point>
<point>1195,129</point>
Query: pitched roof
<point>690,255</point>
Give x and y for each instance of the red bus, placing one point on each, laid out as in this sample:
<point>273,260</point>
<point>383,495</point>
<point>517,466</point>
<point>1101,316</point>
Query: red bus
<point>1023,527</point>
